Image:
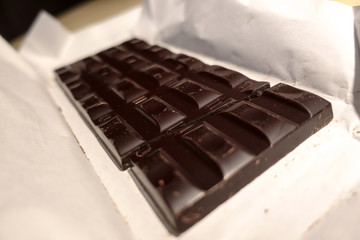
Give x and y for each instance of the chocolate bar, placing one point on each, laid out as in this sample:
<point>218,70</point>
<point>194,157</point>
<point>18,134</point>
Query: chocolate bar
<point>145,100</point>
<point>190,173</point>
<point>191,134</point>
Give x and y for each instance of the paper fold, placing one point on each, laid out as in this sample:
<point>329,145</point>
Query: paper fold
<point>48,188</point>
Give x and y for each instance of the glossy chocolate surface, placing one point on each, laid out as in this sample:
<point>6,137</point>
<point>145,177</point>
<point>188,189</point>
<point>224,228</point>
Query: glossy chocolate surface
<point>192,134</point>
<point>143,92</point>
<point>203,165</point>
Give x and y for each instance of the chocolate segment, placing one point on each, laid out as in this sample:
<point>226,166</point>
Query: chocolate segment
<point>192,134</point>
<point>190,173</point>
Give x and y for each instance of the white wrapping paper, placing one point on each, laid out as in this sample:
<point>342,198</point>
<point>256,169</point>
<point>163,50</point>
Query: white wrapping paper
<point>309,44</point>
<point>48,189</point>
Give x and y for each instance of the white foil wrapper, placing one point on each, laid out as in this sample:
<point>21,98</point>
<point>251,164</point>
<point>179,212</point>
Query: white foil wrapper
<point>308,44</point>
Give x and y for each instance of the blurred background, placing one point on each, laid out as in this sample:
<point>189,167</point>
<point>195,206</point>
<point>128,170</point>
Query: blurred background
<point>16,16</point>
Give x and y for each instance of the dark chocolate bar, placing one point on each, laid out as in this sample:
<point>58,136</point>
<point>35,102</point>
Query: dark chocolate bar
<point>192,134</point>
<point>130,100</point>
<point>188,174</point>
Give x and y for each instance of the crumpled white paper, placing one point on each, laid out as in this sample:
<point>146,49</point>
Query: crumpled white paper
<point>48,189</point>
<point>309,44</point>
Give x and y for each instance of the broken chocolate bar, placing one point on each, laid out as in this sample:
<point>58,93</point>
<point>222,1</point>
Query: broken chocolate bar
<point>192,134</point>
<point>190,173</point>
<point>129,100</point>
